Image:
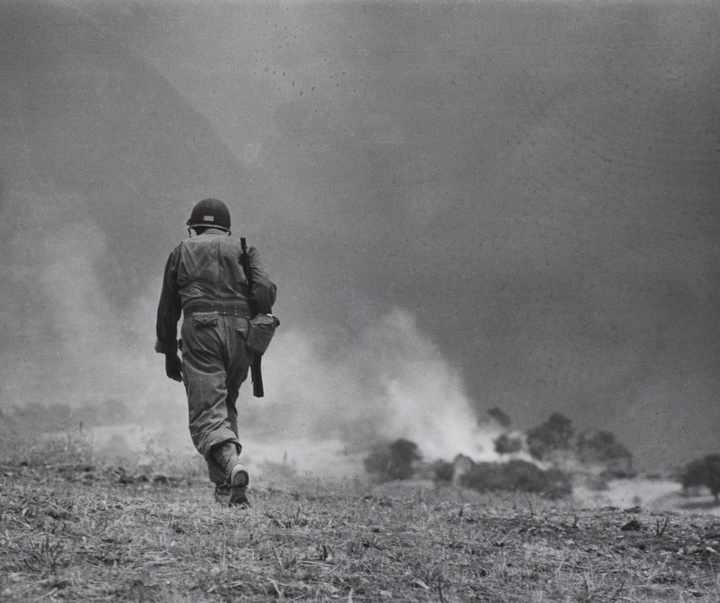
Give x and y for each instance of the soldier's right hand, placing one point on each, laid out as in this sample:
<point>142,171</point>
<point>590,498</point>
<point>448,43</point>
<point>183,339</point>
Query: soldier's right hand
<point>173,367</point>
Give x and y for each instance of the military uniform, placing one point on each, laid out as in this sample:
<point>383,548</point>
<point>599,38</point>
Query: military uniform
<point>205,282</point>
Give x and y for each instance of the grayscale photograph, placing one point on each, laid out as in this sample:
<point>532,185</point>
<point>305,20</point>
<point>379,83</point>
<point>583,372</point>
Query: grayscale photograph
<point>360,300</point>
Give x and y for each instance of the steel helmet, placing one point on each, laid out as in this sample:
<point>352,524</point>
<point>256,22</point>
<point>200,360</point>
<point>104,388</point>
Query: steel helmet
<point>210,213</point>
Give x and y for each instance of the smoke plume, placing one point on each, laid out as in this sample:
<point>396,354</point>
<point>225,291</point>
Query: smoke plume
<point>390,381</point>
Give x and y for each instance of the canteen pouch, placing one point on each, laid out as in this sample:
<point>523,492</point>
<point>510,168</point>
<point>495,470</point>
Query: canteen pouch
<point>262,329</point>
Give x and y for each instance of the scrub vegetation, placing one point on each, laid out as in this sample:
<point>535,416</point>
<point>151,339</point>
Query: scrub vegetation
<point>75,528</point>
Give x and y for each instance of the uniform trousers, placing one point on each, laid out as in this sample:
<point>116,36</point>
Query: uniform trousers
<point>216,361</point>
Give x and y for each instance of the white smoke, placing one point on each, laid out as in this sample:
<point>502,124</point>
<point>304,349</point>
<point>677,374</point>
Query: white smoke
<point>66,339</point>
<point>97,359</point>
<point>326,390</point>
<point>389,382</point>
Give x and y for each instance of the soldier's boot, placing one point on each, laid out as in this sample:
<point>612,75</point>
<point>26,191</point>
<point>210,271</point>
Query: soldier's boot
<point>238,478</point>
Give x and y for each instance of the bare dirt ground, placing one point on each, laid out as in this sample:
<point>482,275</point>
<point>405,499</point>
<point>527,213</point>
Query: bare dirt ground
<point>78,531</point>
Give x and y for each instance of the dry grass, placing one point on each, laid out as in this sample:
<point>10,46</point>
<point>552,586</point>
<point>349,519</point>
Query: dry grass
<point>79,532</point>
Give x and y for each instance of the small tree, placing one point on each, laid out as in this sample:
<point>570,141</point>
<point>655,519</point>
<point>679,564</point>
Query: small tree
<point>443,470</point>
<point>393,461</point>
<point>703,472</point>
<point>505,444</point>
<point>502,418</point>
<point>555,434</point>
<point>517,476</point>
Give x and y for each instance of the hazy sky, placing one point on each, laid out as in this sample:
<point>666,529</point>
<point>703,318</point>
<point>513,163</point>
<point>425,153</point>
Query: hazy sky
<point>500,203</point>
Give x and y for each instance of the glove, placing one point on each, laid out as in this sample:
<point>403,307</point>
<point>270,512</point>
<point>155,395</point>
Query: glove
<point>173,367</point>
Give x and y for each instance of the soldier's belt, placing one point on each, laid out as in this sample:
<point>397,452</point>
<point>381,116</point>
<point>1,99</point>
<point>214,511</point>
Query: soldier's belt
<point>232,309</point>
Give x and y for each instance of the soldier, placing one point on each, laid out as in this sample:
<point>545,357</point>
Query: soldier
<point>204,280</point>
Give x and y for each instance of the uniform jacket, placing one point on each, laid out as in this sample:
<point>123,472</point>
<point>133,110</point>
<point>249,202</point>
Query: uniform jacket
<point>207,268</point>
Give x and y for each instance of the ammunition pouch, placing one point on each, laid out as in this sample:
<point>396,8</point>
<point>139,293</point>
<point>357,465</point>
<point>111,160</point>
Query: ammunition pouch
<point>262,329</point>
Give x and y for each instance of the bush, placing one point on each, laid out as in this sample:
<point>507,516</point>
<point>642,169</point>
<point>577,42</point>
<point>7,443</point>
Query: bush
<point>517,476</point>
<point>555,434</point>
<point>505,444</point>
<point>393,461</point>
<point>703,472</point>
<point>443,471</point>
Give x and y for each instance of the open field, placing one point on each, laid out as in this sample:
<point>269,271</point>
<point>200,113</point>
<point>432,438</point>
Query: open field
<point>82,531</point>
